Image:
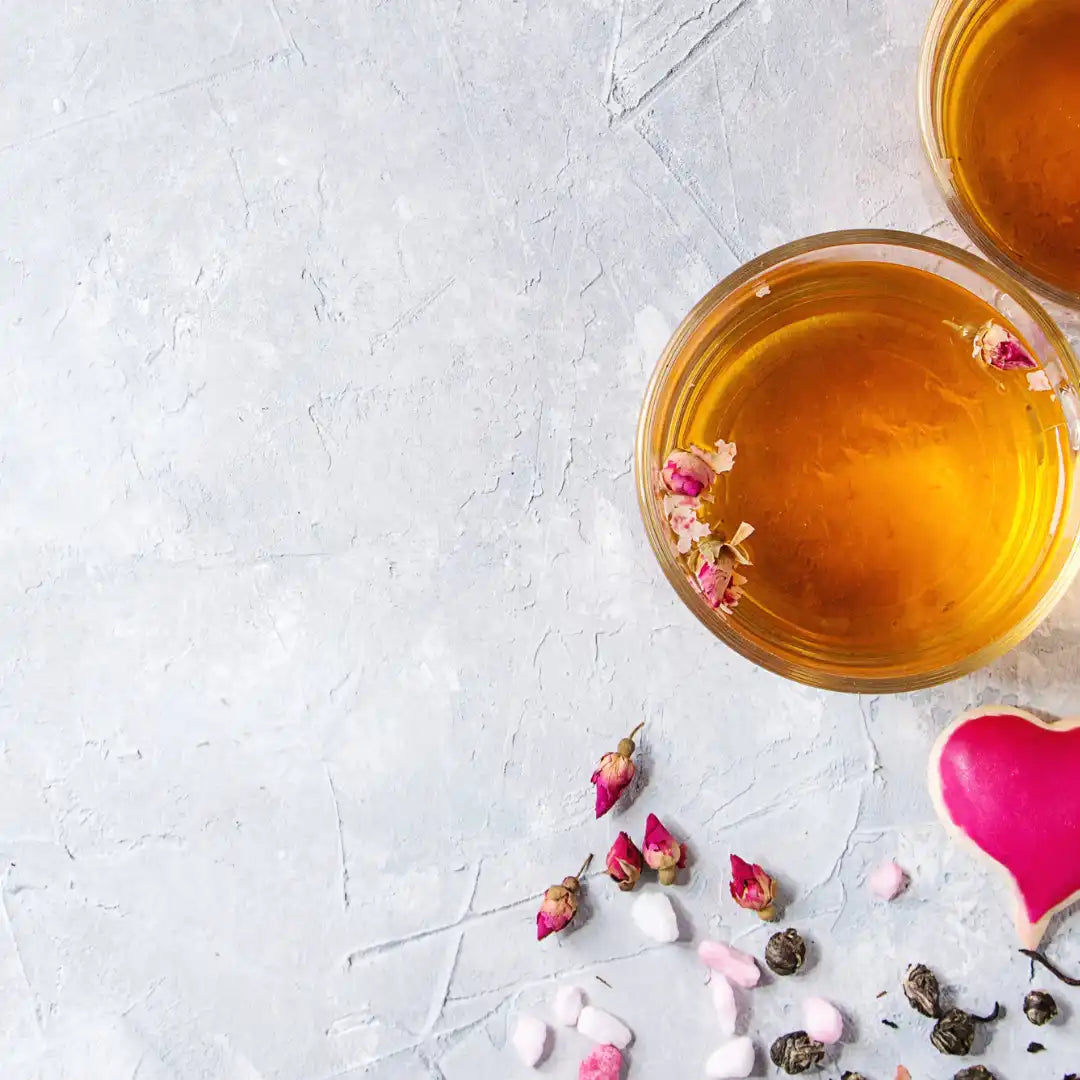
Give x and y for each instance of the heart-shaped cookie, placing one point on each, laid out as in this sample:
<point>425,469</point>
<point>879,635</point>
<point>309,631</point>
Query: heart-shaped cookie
<point>1010,784</point>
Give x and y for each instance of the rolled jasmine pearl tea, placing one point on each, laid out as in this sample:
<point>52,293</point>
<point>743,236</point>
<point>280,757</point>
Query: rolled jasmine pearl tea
<point>922,991</point>
<point>796,1052</point>
<point>1040,1007</point>
<point>785,952</point>
<point>954,1033</point>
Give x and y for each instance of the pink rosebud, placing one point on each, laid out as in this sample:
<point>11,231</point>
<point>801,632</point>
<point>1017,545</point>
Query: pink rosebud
<point>613,775</point>
<point>752,888</point>
<point>681,512</point>
<point>686,474</point>
<point>560,905</point>
<point>716,574</point>
<point>995,346</point>
<point>624,862</point>
<point>662,851</point>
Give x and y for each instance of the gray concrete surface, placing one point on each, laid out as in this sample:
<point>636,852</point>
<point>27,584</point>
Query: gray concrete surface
<point>324,329</point>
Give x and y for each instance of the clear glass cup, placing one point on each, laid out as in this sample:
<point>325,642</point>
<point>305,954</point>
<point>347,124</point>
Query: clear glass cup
<point>675,372</point>
<point>951,25</point>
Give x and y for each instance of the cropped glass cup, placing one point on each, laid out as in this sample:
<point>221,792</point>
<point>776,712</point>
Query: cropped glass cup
<point>951,24</point>
<point>723,307</point>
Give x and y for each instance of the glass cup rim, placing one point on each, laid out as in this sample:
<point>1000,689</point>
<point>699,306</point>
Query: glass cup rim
<point>658,536</point>
<point>942,17</point>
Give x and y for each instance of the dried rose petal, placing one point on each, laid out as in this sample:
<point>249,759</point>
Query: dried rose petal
<point>614,774</point>
<point>1039,381</point>
<point>686,473</point>
<point>720,460</point>
<point>560,905</point>
<point>995,346</point>
<point>681,512</point>
<point>624,862</point>
<point>712,583</point>
<point>663,853</point>
<point>752,888</point>
<point>732,594</point>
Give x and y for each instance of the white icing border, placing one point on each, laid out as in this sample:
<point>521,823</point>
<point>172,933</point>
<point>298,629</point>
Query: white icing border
<point>1030,933</point>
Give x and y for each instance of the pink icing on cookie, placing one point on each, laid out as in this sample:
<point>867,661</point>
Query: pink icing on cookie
<point>1010,783</point>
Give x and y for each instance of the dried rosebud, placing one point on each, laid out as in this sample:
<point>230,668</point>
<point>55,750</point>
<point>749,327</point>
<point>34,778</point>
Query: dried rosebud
<point>662,851</point>
<point>797,1052</point>
<point>560,905</point>
<point>922,991</point>
<point>995,346</point>
<point>849,1075</point>
<point>686,474</point>
<point>902,1073</point>
<point>624,862</point>
<point>785,952</point>
<point>752,888</point>
<point>974,1072</point>
<point>1040,1007</point>
<point>614,774</point>
<point>715,569</point>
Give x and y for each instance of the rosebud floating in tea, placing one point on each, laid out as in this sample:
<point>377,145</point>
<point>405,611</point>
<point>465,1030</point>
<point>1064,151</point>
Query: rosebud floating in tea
<point>663,853</point>
<point>715,571</point>
<point>752,888</point>
<point>690,472</point>
<point>560,905</point>
<point>994,345</point>
<point>614,773</point>
<point>685,473</point>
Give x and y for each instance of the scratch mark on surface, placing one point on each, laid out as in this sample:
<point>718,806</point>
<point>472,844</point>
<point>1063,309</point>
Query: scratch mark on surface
<point>680,67</point>
<point>340,839</point>
<point>467,919</point>
<point>726,139</point>
<point>455,75</point>
<point>442,988</point>
<point>873,756</point>
<point>286,34</point>
<point>690,187</point>
<point>616,41</point>
<point>146,99</point>
<point>240,185</point>
<point>19,957</point>
<point>410,316</point>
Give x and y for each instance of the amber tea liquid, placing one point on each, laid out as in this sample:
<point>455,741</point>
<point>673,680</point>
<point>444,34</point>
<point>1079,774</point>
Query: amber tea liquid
<point>906,497</point>
<point>1011,126</point>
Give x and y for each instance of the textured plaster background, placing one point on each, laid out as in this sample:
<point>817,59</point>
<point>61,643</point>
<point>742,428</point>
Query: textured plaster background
<point>325,325</point>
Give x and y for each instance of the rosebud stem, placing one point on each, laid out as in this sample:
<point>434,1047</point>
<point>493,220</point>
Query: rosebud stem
<point>988,1018</point>
<point>1031,954</point>
<point>635,731</point>
<point>584,867</point>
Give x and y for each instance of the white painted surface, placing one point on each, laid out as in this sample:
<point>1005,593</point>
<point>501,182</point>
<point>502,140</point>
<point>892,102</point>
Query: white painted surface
<point>325,323</point>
